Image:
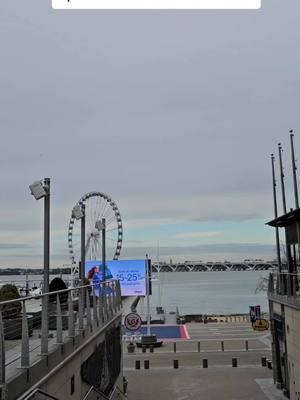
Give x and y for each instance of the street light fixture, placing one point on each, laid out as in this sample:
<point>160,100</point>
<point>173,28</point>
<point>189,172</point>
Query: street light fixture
<point>99,225</point>
<point>77,212</point>
<point>38,190</point>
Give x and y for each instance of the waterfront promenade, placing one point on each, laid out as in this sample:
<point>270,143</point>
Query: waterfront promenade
<point>191,381</point>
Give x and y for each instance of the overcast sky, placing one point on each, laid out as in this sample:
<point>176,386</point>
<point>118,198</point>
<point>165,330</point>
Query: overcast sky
<point>173,114</point>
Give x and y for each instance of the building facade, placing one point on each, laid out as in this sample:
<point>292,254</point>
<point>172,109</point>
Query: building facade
<point>284,303</point>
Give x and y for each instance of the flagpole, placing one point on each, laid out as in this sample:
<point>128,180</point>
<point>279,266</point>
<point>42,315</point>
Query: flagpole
<point>158,276</point>
<point>294,170</point>
<point>276,213</point>
<point>148,297</point>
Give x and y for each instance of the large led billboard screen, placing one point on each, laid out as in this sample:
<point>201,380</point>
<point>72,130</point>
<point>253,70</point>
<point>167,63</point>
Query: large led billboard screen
<point>130,273</point>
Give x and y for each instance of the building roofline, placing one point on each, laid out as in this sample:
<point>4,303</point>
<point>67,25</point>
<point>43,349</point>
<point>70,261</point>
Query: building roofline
<point>287,219</point>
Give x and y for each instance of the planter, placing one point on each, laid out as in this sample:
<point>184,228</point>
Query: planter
<point>13,327</point>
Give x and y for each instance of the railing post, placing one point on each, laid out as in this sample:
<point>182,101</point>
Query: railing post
<point>100,309</point>
<point>119,298</point>
<point>88,310</point>
<point>95,314</point>
<point>103,303</point>
<point>25,339</point>
<point>2,353</point>
<point>80,309</point>
<point>294,277</point>
<point>70,316</point>
<point>59,336</point>
<point>45,330</point>
<point>114,293</point>
<point>110,309</point>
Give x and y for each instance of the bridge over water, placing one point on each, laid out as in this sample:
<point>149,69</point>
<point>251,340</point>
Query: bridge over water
<point>215,266</point>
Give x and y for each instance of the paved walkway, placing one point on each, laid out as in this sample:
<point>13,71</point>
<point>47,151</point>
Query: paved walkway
<point>220,381</point>
<point>202,384</point>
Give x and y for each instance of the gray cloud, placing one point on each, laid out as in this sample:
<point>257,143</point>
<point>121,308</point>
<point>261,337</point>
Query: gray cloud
<point>154,108</point>
<point>219,251</point>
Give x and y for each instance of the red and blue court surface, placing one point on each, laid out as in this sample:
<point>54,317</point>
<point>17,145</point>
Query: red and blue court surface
<point>162,331</point>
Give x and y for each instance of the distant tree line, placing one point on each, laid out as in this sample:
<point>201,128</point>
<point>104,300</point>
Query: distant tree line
<point>33,271</point>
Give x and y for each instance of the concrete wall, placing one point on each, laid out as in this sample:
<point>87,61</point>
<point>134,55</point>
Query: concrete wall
<point>60,384</point>
<point>55,374</point>
<point>292,327</point>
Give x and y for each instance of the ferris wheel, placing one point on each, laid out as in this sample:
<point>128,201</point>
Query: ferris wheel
<point>97,206</point>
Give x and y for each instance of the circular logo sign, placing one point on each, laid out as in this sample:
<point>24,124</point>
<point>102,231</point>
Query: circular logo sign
<point>133,321</point>
<point>260,325</point>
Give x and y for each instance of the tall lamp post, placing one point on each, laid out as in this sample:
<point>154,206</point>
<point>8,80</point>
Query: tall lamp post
<point>101,226</point>
<point>39,190</point>
<point>78,212</point>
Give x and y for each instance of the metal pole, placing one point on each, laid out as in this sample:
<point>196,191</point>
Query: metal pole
<point>294,170</point>
<point>82,269</point>
<point>45,304</point>
<point>288,249</point>
<point>103,250</point>
<point>148,297</point>
<point>82,265</point>
<point>282,178</point>
<point>158,276</point>
<point>276,214</point>
<point>296,197</point>
<point>46,235</point>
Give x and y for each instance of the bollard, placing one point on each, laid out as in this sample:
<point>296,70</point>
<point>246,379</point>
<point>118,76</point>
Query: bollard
<point>198,347</point>
<point>144,349</point>
<point>174,347</point>
<point>246,345</point>
<point>205,363</point>
<point>269,364</point>
<point>222,345</point>
<point>146,364</point>
<point>137,364</point>
<point>264,361</point>
<point>234,362</point>
<point>175,364</point>
<point>151,348</point>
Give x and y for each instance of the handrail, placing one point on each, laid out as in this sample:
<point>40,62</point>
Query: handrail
<point>94,313</point>
<point>35,391</point>
<point>55,292</point>
<point>101,393</point>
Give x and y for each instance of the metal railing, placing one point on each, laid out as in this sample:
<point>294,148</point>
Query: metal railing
<point>103,396</point>
<point>39,394</point>
<point>32,327</point>
<point>284,284</point>
<point>28,284</point>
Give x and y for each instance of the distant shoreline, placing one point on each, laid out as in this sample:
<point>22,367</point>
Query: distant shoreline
<point>33,271</point>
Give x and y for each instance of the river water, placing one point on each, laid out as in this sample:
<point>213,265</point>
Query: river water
<point>196,292</point>
<point>209,292</point>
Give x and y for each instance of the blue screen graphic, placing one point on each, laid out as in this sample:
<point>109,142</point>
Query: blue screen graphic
<point>130,273</point>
